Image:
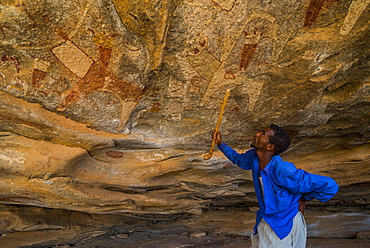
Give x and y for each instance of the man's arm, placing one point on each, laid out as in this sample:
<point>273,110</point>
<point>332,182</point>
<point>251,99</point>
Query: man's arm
<point>311,186</point>
<point>244,160</point>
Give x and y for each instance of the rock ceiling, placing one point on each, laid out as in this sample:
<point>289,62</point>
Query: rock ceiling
<point>107,106</point>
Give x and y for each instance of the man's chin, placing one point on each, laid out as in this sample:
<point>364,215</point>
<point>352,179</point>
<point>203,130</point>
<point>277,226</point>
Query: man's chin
<point>252,145</point>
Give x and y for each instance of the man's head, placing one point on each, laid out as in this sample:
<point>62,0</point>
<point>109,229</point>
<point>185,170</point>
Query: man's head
<point>272,139</point>
<point>280,139</point>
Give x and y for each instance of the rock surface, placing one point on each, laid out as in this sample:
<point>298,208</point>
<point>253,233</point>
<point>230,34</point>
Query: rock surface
<point>107,107</point>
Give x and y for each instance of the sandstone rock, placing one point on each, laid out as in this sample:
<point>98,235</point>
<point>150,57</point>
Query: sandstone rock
<point>198,234</point>
<point>122,236</point>
<point>106,107</point>
<point>363,235</point>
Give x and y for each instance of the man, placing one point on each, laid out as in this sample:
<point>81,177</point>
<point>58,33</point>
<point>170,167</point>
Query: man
<point>281,188</point>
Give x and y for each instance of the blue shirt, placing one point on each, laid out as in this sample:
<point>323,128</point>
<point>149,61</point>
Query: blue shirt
<point>284,185</point>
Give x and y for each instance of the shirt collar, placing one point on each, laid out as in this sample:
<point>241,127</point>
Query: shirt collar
<point>272,161</point>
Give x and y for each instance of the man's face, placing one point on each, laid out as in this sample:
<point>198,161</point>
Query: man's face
<point>262,139</point>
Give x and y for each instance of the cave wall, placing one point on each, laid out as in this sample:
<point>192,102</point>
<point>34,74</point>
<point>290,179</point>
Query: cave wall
<point>107,106</point>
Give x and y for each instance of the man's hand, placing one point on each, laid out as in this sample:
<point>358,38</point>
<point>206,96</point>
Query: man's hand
<point>216,136</point>
<point>302,205</point>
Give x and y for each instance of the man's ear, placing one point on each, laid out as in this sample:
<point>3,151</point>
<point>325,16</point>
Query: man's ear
<point>270,147</point>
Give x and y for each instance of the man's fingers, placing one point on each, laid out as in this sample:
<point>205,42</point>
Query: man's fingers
<point>214,133</point>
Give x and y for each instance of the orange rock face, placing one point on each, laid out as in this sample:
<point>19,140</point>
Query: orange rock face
<point>107,107</point>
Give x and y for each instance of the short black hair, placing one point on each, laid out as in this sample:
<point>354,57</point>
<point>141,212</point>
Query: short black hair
<point>281,139</point>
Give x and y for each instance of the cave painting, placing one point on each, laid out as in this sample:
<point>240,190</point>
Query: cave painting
<point>33,75</point>
<point>257,27</point>
<point>260,29</point>
<point>93,75</point>
<point>205,64</point>
<point>11,160</point>
<point>13,59</point>
<point>73,58</point>
<point>251,43</point>
<point>314,9</point>
<point>313,12</point>
<point>105,44</point>
<point>354,12</point>
<point>203,61</point>
<point>149,20</point>
<point>225,5</point>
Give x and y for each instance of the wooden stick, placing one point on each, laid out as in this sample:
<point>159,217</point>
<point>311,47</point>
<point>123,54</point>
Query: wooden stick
<point>209,155</point>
